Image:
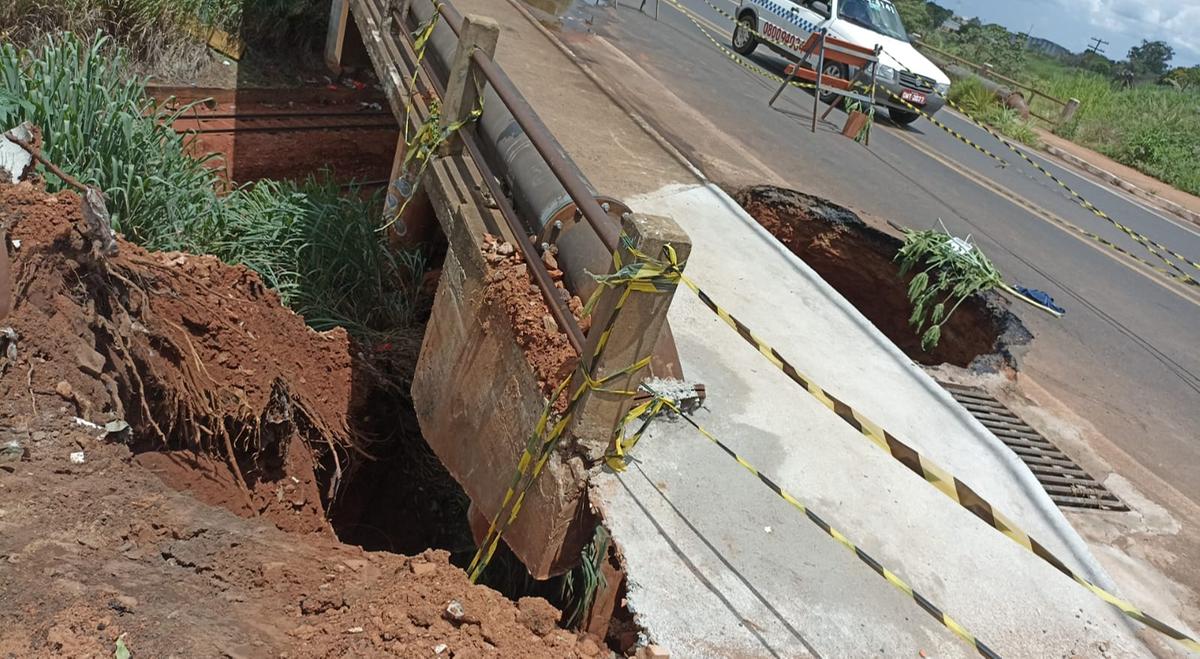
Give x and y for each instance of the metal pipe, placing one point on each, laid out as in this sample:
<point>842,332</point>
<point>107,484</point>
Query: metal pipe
<point>565,171</point>
<point>541,276</point>
<point>543,181</point>
<point>558,308</point>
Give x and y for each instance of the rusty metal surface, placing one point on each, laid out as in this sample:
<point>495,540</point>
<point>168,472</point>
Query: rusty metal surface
<point>584,200</point>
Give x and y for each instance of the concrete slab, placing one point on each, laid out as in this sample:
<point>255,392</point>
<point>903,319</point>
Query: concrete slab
<point>618,157</point>
<point>720,566</point>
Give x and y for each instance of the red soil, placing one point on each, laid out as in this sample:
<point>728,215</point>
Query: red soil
<point>228,397</point>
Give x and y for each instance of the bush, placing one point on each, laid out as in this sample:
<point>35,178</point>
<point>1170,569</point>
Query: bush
<point>314,243</point>
<point>972,97</point>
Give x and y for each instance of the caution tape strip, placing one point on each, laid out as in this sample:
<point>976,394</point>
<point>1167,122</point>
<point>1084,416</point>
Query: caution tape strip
<point>737,59</point>
<point>892,578</point>
<point>765,39</point>
<point>931,472</point>
<point>945,482</point>
<point>634,278</point>
<point>1141,239</point>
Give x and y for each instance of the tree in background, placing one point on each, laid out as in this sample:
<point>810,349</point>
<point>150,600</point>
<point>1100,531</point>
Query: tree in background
<point>1150,58</point>
<point>992,44</point>
<point>1182,78</point>
<point>1096,63</point>
<point>922,17</point>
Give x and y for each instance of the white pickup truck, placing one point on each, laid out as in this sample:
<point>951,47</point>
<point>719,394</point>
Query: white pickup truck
<point>786,24</point>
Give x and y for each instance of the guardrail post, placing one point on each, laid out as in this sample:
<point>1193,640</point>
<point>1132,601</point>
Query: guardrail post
<point>462,89</point>
<point>634,333</point>
<point>335,37</point>
<point>1069,110</point>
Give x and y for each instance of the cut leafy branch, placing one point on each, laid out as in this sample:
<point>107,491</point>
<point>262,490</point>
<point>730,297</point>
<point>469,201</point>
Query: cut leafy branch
<point>949,270</point>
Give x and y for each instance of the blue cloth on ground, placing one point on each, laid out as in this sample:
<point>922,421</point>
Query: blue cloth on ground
<point>1041,297</point>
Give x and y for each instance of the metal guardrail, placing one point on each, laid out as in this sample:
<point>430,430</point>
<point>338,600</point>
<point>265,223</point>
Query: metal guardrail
<point>539,136</point>
<point>1069,107</point>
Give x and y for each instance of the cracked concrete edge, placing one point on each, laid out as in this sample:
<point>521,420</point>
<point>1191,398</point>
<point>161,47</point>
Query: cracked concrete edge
<point>1112,179</point>
<point>1024,479</point>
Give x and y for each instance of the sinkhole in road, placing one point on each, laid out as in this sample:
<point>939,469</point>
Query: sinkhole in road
<point>859,262</point>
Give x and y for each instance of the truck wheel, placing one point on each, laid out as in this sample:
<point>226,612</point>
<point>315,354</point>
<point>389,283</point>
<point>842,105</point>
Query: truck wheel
<point>744,41</point>
<point>903,117</point>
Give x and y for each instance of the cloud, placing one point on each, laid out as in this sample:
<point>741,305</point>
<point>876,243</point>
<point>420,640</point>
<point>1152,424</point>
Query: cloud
<point>1124,22</point>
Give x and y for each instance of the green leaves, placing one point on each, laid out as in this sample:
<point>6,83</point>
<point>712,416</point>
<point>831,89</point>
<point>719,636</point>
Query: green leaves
<point>313,242</point>
<point>950,271</point>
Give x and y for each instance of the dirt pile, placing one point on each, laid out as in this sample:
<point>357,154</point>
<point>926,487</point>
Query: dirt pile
<point>191,353</point>
<point>190,369</point>
<point>510,286</point>
<point>859,262</point>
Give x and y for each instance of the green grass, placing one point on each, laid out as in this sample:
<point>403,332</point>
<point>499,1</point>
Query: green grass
<point>975,99</point>
<point>314,243</point>
<point>1154,129</point>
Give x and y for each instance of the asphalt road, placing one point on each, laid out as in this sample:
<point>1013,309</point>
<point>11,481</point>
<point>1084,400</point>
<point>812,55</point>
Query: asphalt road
<point>1126,355</point>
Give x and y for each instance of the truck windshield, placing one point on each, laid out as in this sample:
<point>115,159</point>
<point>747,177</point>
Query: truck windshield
<point>877,15</point>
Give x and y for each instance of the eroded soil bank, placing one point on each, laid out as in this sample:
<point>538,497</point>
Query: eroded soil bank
<point>201,529</point>
<point>859,262</point>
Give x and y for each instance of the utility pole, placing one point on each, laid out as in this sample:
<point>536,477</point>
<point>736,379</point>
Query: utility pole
<point>1096,47</point>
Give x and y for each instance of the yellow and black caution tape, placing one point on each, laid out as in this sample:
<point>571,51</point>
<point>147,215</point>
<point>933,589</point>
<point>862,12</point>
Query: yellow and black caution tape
<point>922,466</point>
<point>931,472</point>
<point>737,59</point>
<point>648,277</point>
<point>1150,244</point>
<point>1147,242</point>
<point>892,578</point>
<point>767,74</point>
<point>1143,240</point>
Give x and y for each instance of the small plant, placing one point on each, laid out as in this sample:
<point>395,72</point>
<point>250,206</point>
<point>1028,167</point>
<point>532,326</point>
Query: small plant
<point>949,270</point>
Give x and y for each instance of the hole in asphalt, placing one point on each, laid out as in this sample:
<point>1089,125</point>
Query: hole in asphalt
<point>859,262</point>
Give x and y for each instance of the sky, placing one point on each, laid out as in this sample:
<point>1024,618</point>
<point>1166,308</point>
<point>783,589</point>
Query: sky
<point>1070,23</point>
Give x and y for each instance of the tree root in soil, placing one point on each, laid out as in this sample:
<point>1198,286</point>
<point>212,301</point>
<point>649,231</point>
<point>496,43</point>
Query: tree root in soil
<point>192,353</point>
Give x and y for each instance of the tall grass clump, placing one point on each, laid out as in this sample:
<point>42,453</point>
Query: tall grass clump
<point>977,101</point>
<point>166,37</point>
<point>313,242</point>
<point>99,125</point>
<point>1154,129</point>
<point>160,35</point>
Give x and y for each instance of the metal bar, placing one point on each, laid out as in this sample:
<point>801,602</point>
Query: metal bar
<point>820,76</point>
<point>550,150</point>
<point>541,276</point>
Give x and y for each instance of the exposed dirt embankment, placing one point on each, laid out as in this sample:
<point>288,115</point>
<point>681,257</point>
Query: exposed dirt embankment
<point>859,262</point>
<point>510,286</point>
<point>231,397</point>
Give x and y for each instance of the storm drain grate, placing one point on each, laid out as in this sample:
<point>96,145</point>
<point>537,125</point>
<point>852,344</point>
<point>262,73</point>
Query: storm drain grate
<point>1066,482</point>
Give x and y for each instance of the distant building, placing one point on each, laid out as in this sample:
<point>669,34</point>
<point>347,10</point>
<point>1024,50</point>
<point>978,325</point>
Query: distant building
<point>952,24</point>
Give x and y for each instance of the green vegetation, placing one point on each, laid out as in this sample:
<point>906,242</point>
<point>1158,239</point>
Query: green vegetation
<point>970,95</point>
<point>949,270</point>
<point>315,244</point>
<point>1140,112</point>
<point>164,36</point>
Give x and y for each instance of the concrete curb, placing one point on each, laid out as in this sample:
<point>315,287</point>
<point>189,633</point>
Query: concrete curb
<point>1113,179</point>
<point>1077,546</point>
